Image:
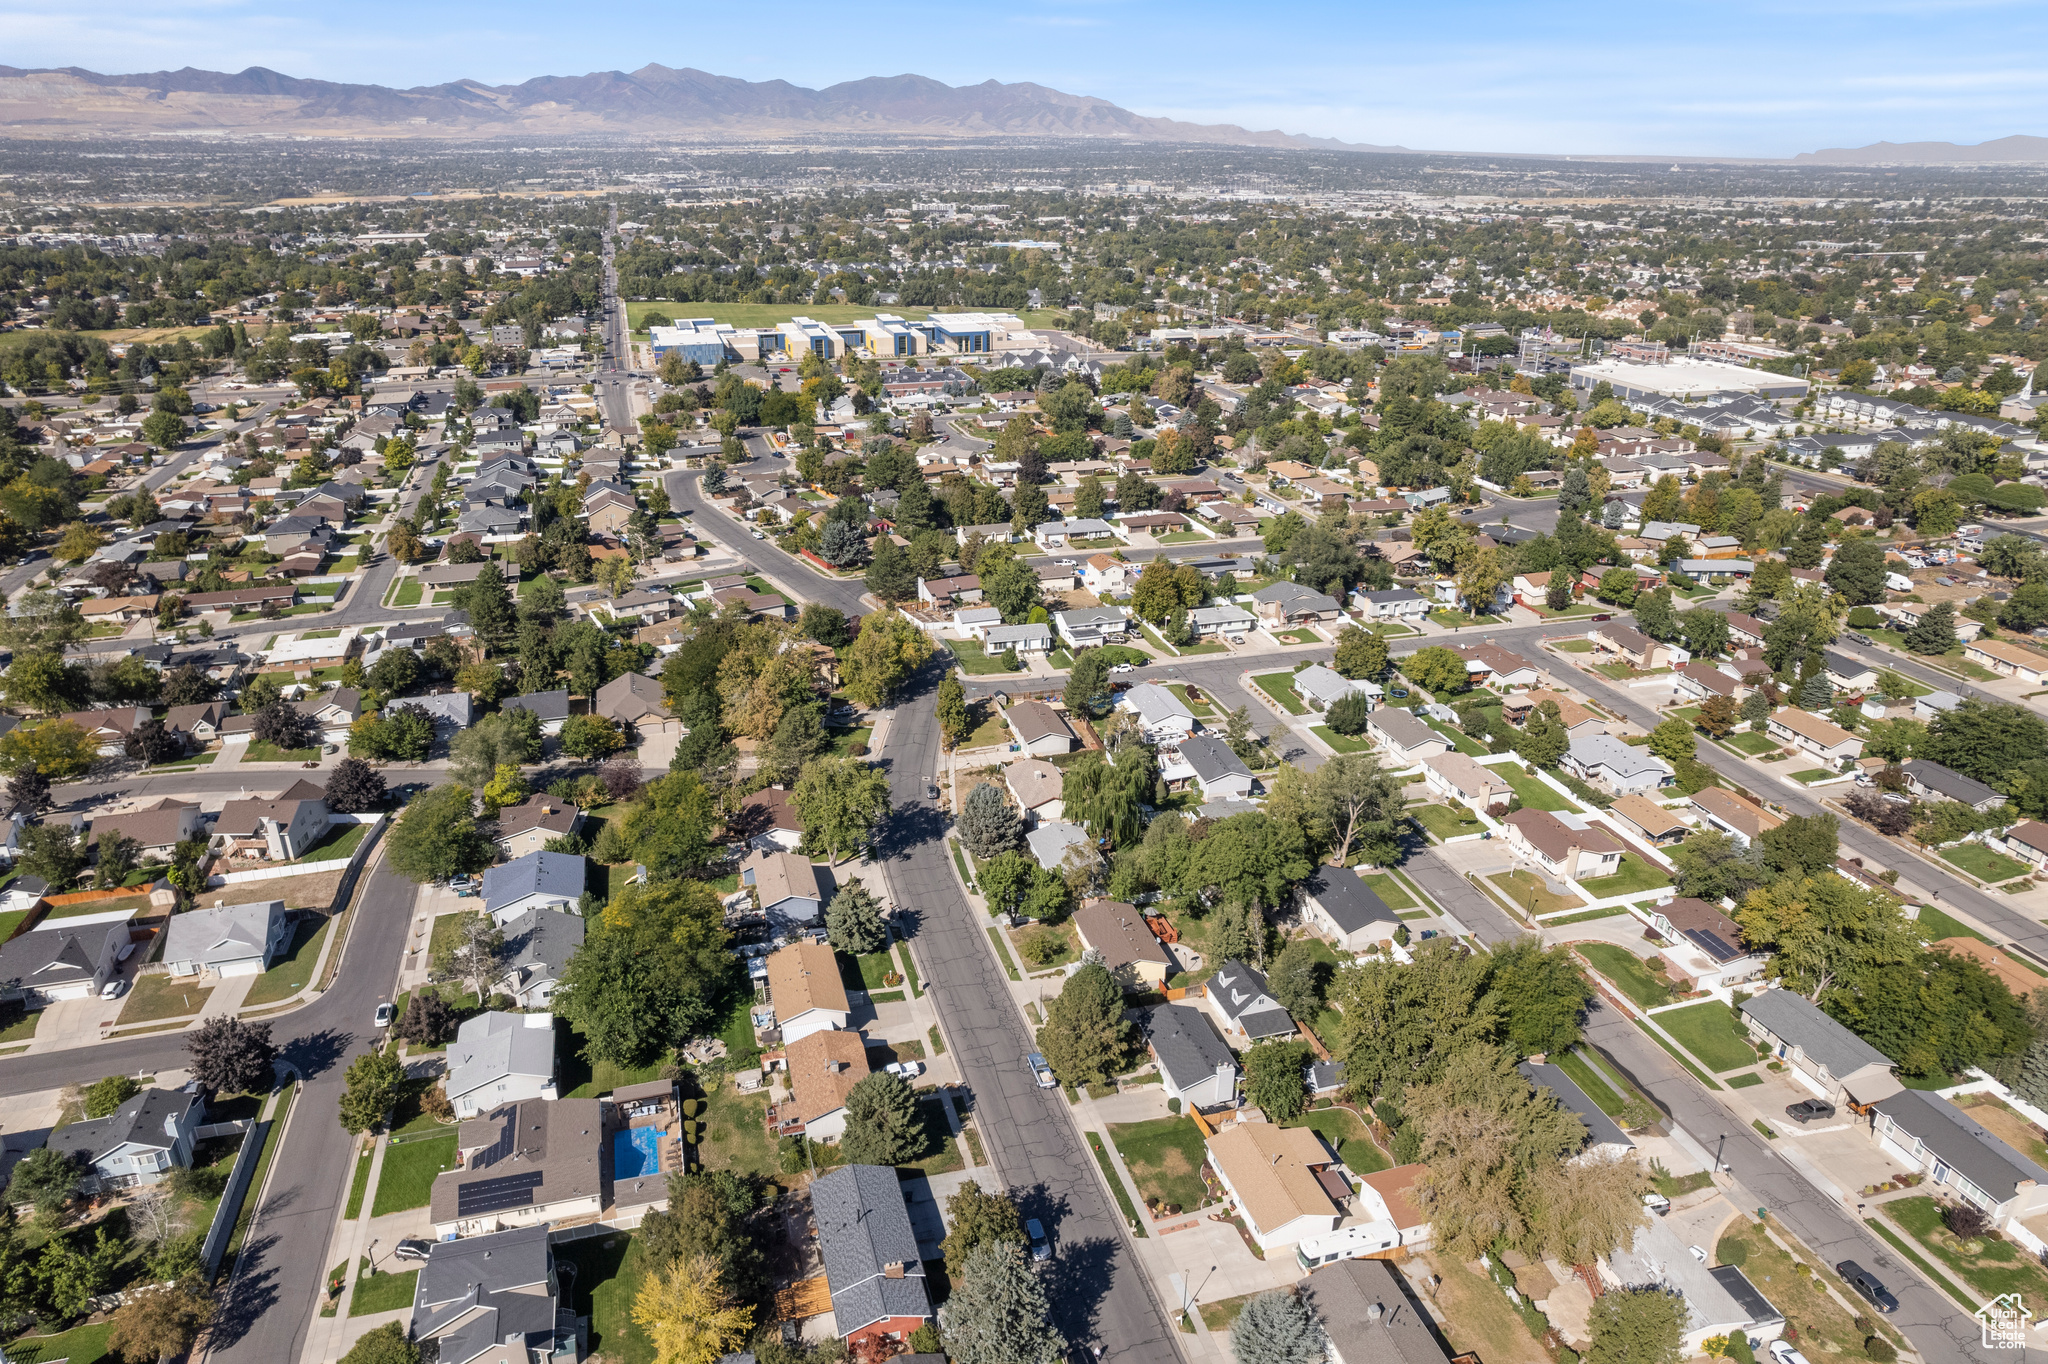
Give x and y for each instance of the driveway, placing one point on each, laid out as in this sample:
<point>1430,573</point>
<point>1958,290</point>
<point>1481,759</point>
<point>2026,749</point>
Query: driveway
<point>73,1023</point>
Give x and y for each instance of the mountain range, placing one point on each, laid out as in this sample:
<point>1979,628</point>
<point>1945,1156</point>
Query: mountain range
<point>2003,151</point>
<point>655,101</point>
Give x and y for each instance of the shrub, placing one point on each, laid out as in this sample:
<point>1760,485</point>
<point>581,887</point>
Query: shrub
<point>1880,1349</point>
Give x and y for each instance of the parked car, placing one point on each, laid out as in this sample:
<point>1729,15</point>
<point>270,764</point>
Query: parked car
<point>114,988</point>
<point>1041,1249</point>
<point>1120,667</point>
<point>385,1013</point>
<point>906,1070</point>
<point>1041,1071</point>
<point>1868,1286</point>
<point>412,1249</point>
<point>1603,616</point>
<point>1656,1203</point>
<point>1783,1352</point>
<point>1810,1110</point>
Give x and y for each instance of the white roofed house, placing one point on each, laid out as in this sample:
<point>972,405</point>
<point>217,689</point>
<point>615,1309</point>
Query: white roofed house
<point>974,622</point>
<point>1394,603</point>
<point>500,1058</point>
<point>1623,767</point>
<point>1718,1300</point>
<point>1208,762</point>
<point>228,940</point>
<point>1322,687</point>
<point>1164,717</point>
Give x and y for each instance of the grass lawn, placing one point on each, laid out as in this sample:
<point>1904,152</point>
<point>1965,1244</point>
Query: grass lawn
<point>1298,637</point>
<point>1535,793</point>
<point>1983,863</point>
<point>1752,743</point>
<point>1452,620</point>
<point>1391,891</point>
<point>134,904</point>
<point>79,1345</point>
<point>11,922</point>
<point>608,1274</point>
<point>944,1157</point>
<point>155,997</point>
<point>294,970</point>
<point>1115,1182</point>
<point>1003,951</point>
<point>1347,1136</point>
<point>1628,973</point>
<point>381,1292</point>
<point>407,1179</point>
<point>188,762</point>
<point>873,967</point>
<point>581,1080</point>
<point>1990,1267</point>
<point>1280,686</point>
<point>1802,1297</point>
<point>1218,1316</point>
<point>340,842</point>
<point>1814,774</point>
<point>1635,875</point>
<point>1585,1077</point>
<point>1445,821</point>
<point>1462,742</point>
<point>1165,1157</point>
<point>262,751</point>
<point>975,661</point>
<point>1711,1032</point>
<point>844,740</point>
<point>1528,893</point>
<point>1573,646</point>
<point>1060,659</point>
<point>1339,742</point>
<point>1181,537</point>
<point>22,1029</point>
<point>989,732</point>
<point>1746,1080</point>
<point>1198,704</point>
<point>736,1133</point>
<point>359,1185</point>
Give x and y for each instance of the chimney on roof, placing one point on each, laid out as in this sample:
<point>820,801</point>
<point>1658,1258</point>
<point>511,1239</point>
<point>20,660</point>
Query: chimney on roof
<point>893,1270</point>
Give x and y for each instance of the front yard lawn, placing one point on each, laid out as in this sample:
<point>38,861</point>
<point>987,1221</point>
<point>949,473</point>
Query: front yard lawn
<point>1991,1267</point>
<point>1635,875</point>
<point>1534,791</point>
<point>383,1292</point>
<point>1828,1328</point>
<point>1464,743</point>
<point>1983,863</point>
<point>155,996</point>
<point>408,593</point>
<point>1297,636</point>
<point>975,661</point>
<point>1198,704</point>
<point>1530,894</point>
<point>1711,1032</point>
<point>1392,892</point>
<point>1338,742</point>
<point>340,843</point>
<point>1346,1136</point>
<point>407,1179</point>
<point>1280,686</point>
<point>294,970</point>
<point>1628,973</point>
<point>1754,744</point>
<point>1165,1157</point>
<point>1814,774</point>
<point>263,751</point>
<point>844,740</point>
<point>1445,821</point>
<point>1572,646</point>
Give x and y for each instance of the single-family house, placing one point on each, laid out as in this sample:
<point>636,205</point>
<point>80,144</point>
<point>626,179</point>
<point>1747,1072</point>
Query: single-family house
<point>1056,844</point>
<point>785,884</point>
<point>537,880</point>
<point>1494,666</point>
<point>636,701</point>
<point>1637,649</point>
<point>1100,574</point>
<point>1931,781</point>
<point>1406,739</point>
<point>824,1066</point>
<point>943,593</point>
<point>526,827</point>
<point>1573,849</point>
<point>1453,776</point>
<point>1129,948</point>
<point>551,707</point>
<point>805,990</point>
<point>1517,707</point>
<point>1163,716</point>
<point>2028,841</point>
<point>1086,627</point>
<point>1320,687</point>
<point>1040,730</point>
<point>492,1300</point>
<point>538,945</point>
<point>1240,997</point>
<point>767,821</point>
<point>1226,620</point>
<point>501,1058</point>
<point>156,831</point>
<point>50,964</point>
<point>2008,659</point>
<point>522,1164</point>
<point>1337,903</point>
<point>228,940</point>
<point>1026,641</point>
<point>1280,1180</point>
<point>1834,1062</point>
<point>1960,1155</point>
<point>1824,739</point>
<point>109,728</point>
<point>1846,673</point>
<point>1649,821</point>
<point>1623,767</point>
<point>1367,1311</point>
<point>1719,1300</point>
<point>280,828</point>
<point>1604,1139</point>
<point>1935,703</point>
<point>138,1143</point>
<point>873,1268</point>
<point>1712,937</point>
<point>1211,764</point>
<point>1738,817</point>
<point>1038,788</point>
<point>1196,1065</point>
<point>1282,604</point>
<point>1703,682</point>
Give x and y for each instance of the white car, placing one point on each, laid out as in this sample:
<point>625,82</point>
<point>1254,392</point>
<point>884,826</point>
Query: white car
<point>114,988</point>
<point>905,1069</point>
<point>1120,667</point>
<point>1783,1352</point>
<point>385,1013</point>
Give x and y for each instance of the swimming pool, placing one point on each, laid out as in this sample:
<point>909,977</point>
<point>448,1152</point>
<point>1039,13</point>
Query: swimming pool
<point>636,1152</point>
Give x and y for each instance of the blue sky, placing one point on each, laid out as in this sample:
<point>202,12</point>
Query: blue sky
<point>1740,78</point>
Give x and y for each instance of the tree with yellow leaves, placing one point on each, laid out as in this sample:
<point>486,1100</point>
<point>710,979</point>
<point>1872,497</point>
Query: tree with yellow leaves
<point>688,1312</point>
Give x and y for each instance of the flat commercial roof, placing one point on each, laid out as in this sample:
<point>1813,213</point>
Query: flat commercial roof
<point>1686,378</point>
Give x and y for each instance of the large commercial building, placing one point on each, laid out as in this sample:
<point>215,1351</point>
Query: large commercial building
<point>1683,379</point>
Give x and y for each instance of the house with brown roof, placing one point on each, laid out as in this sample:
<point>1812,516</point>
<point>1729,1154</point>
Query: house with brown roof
<point>1738,817</point>
<point>1704,682</point>
<point>1488,663</point>
<point>157,829</point>
<point>280,828</point>
<point>767,822</point>
<point>1648,820</point>
<point>526,827</point>
<point>1040,730</point>
<point>1824,739</point>
<point>2028,841</point>
<point>1454,776</point>
<point>806,991</point>
<point>636,700</point>
<point>1280,1180</point>
<point>551,1148</point>
<point>1131,951</point>
<point>198,723</point>
<point>108,728</point>
<point>823,1069</point>
<point>2008,660</point>
<point>1563,845</point>
<point>1635,648</point>
<point>1576,719</point>
<point>1711,938</point>
<point>785,885</point>
<point>122,609</point>
<point>1038,788</point>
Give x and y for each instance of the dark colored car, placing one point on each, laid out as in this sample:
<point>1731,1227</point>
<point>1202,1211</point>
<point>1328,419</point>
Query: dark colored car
<point>1603,616</point>
<point>1810,1110</point>
<point>1868,1286</point>
<point>1041,1249</point>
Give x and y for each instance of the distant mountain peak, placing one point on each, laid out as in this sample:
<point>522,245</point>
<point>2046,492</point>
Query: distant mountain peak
<point>2019,149</point>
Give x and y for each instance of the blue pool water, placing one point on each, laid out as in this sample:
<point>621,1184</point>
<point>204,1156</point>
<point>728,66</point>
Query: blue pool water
<point>634,1152</point>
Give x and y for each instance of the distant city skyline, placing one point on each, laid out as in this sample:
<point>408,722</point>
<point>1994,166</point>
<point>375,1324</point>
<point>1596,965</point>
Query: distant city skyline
<point>1738,79</point>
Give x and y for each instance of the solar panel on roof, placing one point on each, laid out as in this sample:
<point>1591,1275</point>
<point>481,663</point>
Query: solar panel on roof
<point>1714,944</point>
<point>491,1195</point>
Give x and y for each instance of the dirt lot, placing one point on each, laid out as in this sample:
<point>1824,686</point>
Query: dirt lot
<point>297,892</point>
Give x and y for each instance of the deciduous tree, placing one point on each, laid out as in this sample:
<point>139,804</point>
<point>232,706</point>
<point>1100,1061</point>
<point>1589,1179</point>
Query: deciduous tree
<point>975,1219</point>
<point>437,836</point>
<point>230,1056</point>
<point>689,1313</point>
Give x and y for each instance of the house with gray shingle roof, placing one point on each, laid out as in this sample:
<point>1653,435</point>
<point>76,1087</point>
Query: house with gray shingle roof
<point>539,880</point>
<point>500,1058</point>
<point>872,1265</point>
<point>228,940</point>
<point>1837,1061</point>
<point>538,945</point>
<point>138,1143</point>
